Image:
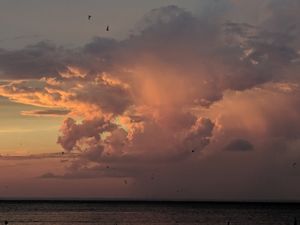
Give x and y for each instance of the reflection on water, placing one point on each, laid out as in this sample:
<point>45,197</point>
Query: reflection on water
<point>146,213</point>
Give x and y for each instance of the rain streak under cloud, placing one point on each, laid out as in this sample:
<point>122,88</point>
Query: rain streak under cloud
<point>181,92</point>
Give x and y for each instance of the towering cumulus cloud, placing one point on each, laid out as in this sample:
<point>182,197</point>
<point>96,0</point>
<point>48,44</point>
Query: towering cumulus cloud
<point>180,87</point>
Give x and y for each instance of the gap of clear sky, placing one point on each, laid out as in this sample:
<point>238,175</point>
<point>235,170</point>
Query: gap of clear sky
<point>65,21</point>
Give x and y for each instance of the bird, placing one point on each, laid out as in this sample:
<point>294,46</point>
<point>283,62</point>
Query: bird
<point>107,28</point>
<point>89,17</point>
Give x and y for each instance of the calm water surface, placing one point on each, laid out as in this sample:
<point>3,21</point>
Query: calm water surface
<point>143,213</point>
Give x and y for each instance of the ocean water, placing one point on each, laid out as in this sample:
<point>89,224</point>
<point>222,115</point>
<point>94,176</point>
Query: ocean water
<point>146,213</point>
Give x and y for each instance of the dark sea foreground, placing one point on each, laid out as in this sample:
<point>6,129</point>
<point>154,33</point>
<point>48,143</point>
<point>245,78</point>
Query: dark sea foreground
<point>146,213</point>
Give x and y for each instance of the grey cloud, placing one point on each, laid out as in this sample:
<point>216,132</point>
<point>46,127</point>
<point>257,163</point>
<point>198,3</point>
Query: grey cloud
<point>113,99</point>
<point>165,35</point>
<point>239,145</point>
<point>47,112</point>
<point>284,15</point>
<point>34,61</point>
<point>100,46</point>
<point>72,132</point>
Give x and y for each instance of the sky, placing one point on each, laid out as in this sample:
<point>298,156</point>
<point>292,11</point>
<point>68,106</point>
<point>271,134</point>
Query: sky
<point>179,100</point>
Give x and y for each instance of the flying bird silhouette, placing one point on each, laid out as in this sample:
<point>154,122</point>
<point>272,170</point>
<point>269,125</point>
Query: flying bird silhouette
<point>89,17</point>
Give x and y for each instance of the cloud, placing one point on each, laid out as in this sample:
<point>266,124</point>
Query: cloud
<point>283,14</point>
<point>150,143</point>
<point>34,36</point>
<point>239,145</point>
<point>71,132</point>
<point>48,112</point>
<point>37,156</point>
<point>34,61</point>
<point>179,90</point>
<point>48,176</point>
<point>93,173</point>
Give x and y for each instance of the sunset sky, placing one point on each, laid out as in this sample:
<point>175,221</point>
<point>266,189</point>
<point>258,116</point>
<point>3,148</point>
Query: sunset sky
<point>186,99</point>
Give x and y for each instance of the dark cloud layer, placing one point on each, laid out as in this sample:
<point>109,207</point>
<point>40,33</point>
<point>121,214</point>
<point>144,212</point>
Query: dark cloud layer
<point>35,61</point>
<point>239,145</point>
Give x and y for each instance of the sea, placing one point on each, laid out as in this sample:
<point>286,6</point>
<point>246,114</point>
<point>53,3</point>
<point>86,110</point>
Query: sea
<point>147,213</point>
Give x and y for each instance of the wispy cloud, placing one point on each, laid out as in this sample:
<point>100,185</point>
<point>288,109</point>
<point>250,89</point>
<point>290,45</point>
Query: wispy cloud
<point>55,155</point>
<point>47,112</point>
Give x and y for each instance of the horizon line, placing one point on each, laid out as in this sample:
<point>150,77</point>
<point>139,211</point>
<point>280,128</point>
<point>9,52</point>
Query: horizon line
<point>127,200</point>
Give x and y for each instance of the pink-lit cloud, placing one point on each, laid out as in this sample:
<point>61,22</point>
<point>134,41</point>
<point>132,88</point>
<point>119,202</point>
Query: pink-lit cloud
<point>181,88</point>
